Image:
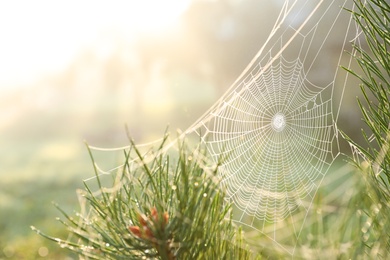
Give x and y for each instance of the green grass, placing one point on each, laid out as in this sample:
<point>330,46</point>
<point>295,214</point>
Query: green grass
<point>26,202</point>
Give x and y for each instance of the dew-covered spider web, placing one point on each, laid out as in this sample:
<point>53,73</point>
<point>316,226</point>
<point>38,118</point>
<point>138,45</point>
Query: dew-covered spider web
<point>275,129</point>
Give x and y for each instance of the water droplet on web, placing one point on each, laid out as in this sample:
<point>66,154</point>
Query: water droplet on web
<point>107,244</point>
<point>205,195</point>
<point>174,187</point>
<point>87,248</point>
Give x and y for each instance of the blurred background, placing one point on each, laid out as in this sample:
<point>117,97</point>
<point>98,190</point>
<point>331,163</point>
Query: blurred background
<point>82,70</point>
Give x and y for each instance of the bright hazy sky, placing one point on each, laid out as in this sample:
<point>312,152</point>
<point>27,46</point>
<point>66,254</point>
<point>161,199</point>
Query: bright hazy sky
<point>43,36</point>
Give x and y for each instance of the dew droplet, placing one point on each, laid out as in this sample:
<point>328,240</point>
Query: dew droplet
<point>43,251</point>
<point>107,244</point>
<point>204,195</point>
<point>196,184</point>
<point>174,187</point>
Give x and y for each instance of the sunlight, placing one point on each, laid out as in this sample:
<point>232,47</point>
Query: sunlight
<point>155,15</point>
<point>42,37</point>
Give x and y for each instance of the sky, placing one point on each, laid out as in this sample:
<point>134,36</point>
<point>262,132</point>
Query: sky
<point>42,37</point>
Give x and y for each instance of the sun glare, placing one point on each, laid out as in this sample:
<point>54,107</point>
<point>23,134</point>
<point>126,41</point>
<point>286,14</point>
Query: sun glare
<point>154,15</point>
<point>44,36</point>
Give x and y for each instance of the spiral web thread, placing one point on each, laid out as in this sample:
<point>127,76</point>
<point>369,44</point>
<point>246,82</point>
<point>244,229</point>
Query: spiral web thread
<point>275,128</point>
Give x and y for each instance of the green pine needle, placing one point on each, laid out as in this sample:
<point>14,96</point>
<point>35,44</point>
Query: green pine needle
<point>373,18</point>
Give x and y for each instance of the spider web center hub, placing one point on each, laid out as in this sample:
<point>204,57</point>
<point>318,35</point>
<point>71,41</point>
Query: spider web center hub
<point>278,122</point>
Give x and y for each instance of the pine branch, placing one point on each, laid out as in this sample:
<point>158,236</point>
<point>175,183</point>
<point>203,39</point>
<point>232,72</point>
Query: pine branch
<point>373,18</point>
<point>156,208</point>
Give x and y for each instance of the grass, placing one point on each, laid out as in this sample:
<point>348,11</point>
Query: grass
<point>26,202</point>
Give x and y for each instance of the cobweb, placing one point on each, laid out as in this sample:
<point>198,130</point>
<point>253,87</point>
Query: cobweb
<point>275,128</point>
